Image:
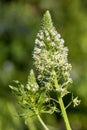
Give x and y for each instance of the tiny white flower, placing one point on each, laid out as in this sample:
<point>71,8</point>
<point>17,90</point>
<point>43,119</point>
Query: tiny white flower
<point>48,85</point>
<point>48,39</point>
<point>46,33</point>
<point>53,32</point>
<point>69,80</point>
<point>39,76</point>
<point>61,41</point>
<point>37,41</point>
<point>28,86</point>
<point>53,44</point>
<point>37,50</point>
<point>57,37</point>
<point>64,92</point>
<point>76,102</point>
<point>40,35</point>
<point>42,44</point>
<point>47,99</point>
<point>34,89</point>
<point>66,74</point>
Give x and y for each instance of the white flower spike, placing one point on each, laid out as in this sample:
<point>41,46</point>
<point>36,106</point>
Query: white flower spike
<point>50,56</point>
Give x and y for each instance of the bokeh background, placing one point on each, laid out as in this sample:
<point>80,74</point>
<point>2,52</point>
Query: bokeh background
<point>19,24</point>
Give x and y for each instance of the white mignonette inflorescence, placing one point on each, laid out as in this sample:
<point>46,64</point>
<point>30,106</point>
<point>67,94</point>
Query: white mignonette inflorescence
<point>50,57</point>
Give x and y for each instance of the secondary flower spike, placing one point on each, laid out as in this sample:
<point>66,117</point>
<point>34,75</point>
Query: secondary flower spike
<point>50,58</point>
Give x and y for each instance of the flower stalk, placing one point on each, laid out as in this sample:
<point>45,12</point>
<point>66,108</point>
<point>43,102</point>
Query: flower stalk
<point>63,109</point>
<point>64,114</point>
<point>41,121</point>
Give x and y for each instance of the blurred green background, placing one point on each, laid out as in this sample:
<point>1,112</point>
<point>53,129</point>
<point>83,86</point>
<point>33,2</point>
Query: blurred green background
<point>19,24</point>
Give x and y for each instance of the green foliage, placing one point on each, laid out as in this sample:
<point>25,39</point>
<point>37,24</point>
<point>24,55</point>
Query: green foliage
<point>18,26</point>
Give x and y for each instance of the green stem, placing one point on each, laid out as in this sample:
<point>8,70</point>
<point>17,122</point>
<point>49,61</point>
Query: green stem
<point>64,114</point>
<point>63,110</point>
<point>41,121</point>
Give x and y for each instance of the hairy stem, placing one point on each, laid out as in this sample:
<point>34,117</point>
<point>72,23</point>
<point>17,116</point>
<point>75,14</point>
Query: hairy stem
<point>41,121</point>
